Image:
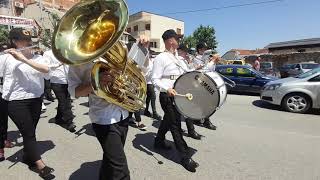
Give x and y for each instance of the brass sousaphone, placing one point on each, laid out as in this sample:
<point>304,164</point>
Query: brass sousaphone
<point>91,30</point>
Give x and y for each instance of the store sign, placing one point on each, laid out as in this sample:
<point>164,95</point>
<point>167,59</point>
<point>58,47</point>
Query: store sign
<point>15,21</point>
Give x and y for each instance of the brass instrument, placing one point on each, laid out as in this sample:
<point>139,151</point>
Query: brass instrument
<point>91,29</point>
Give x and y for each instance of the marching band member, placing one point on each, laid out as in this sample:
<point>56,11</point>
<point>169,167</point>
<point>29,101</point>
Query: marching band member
<point>109,122</point>
<point>4,143</point>
<point>183,56</point>
<point>199,62</point>
<point>167,68</point>
<point>59,85</point>
<point>23,86</point>
<point>151,94</point>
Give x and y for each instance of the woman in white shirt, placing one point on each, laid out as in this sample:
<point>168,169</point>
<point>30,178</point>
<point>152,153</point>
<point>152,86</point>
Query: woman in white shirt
<point>22,89</point>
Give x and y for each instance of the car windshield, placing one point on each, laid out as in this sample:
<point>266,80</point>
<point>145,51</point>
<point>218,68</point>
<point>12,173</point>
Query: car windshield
<point>310,66</point>
<point>308,74</point>
<point>265,65</point>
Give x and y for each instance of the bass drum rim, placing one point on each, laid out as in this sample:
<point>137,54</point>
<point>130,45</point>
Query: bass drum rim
<point>214,109</point>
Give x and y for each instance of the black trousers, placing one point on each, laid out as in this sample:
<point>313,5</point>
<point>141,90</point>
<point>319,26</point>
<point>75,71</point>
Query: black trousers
<point>26,114</point>
<point>151,97</point>
<point>137,115</point>
<point>190,126</point>
<point>112,139</point>
<point>64,110</point>
<point>172,121</point>
<point>3,121</point>
<point>47,88</point>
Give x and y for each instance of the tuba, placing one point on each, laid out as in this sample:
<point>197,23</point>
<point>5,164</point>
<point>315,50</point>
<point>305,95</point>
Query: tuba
<point>91,30</point>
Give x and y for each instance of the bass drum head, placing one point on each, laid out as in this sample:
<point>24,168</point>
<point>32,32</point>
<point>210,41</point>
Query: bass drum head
<point>206,96</point>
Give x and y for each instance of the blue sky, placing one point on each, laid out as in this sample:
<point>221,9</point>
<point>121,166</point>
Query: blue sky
<point>248,27</point>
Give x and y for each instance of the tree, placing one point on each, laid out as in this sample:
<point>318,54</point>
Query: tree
<point>4,34</point>
<point>203,34</point>
<point>46,35</point>
<point>206,35</point>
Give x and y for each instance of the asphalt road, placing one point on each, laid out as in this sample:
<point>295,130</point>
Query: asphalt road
<point>254,141</point>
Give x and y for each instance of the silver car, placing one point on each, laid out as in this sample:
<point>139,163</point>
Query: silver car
<point>295,94</point>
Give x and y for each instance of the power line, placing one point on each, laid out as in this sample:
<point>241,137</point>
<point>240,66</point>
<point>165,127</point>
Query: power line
<point>225,7</point>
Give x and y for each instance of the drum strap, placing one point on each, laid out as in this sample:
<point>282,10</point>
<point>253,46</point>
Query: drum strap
<point>171,77</point>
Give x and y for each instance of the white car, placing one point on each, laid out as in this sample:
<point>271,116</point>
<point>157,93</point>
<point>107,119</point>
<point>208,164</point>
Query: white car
<point>295,94</point>
<point>302,68</point>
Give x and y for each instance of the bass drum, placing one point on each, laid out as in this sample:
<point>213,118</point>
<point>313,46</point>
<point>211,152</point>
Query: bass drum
<point>208,91</point>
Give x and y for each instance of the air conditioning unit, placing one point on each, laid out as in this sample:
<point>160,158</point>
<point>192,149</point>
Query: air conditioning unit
<point>18,4</point>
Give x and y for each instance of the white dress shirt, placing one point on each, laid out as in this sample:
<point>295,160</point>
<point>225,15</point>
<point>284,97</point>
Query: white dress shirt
<point>166,64</point>
<point>21,81</point>
<point>2,60</point>
<point>210,66</point>
<point>100,111</point>
<point>148,74</point>
<point>59,71</point>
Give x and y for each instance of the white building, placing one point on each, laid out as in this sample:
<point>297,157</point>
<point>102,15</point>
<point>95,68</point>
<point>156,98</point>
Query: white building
<point>153,26</point>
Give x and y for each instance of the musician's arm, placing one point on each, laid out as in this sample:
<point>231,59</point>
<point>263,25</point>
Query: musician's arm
<point>77,86</point>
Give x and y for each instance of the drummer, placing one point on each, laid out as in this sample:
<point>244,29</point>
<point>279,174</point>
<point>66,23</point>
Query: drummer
<point>166,69</point>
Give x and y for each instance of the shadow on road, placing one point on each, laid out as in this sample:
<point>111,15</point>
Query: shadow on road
<point>86,129</point>
<point>265,105</point>
<point>88,170</point>
<point>43,146</point>
<point>144,143</point>
<point>243,93</point>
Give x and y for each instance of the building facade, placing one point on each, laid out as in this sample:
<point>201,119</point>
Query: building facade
<point>153,26</point>
<point>296,46</point>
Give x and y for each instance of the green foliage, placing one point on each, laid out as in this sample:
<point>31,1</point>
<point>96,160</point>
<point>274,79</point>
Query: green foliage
<point>47,33</point>
<point>4,34</point>
<point>204,34</point>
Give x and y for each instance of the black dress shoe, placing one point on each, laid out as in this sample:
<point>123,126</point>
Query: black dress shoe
<point>157,117</point>
<point>189,164</point>
<point>147,113</point>
<point>194,135</point>
<point>44,172</point>
<point>158,144</point>
<point>71,127</point>
<point>209,125</point>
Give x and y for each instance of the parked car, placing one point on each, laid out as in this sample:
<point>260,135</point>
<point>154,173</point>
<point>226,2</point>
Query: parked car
<point>246,78</point>
<point>267,68</point>
<point>295,94</point>
<point>285,69</point>
<point>302,68</point>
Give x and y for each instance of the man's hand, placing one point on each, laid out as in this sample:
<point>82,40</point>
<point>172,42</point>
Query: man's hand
<point>106,78</point>
<point>171,92</point>
<point>144,41</point>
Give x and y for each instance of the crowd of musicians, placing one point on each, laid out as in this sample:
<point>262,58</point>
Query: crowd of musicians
<point>28,76</point>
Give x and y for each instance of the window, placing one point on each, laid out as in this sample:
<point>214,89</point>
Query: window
<point>226,71</point>
<point>135,28</point>
<point>148,27</point>
<point>129,30</point>
<point>244,72</point>
<point>153,45</point>
<point>315,79</point>
<point>178,31</point>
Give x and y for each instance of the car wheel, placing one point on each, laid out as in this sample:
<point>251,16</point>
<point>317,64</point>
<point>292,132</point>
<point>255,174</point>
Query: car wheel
<point>296,103</point>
